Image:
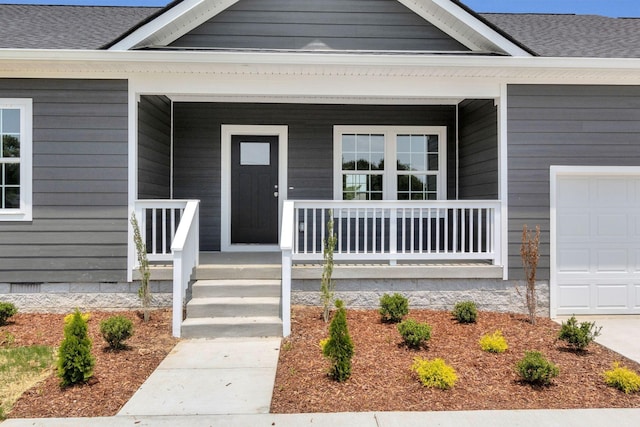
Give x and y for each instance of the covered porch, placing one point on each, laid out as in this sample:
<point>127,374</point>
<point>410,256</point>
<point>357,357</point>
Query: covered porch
<point>412,184</point>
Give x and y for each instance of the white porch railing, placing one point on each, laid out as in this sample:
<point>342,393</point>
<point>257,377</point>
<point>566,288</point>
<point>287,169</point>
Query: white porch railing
<point>170,229</point>
<point>395,230</point>
<point>389,231</point>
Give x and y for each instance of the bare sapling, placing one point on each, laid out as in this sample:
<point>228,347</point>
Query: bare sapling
<point>327,285</point>
<point>144,292</point>
<point>530,254</point>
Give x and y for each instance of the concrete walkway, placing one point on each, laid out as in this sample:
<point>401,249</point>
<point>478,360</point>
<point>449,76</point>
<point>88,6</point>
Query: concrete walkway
<point>228,382</point>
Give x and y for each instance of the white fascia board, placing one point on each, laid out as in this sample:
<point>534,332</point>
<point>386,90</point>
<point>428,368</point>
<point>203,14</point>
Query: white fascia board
<point>477,35</point>
<point>174,23</point>
<point>101,63</point>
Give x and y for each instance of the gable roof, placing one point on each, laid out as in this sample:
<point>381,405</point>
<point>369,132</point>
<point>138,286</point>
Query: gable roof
<point>450,16</point>
<point>548,35</point>
<point>65,27</point>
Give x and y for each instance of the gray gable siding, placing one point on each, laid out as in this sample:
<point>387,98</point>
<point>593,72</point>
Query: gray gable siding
<point>562,125</point>
<point>197,146</point>
<point>313,24</point>
<point>154,147</point>
<point>478,150</point>
<point>79,227</point>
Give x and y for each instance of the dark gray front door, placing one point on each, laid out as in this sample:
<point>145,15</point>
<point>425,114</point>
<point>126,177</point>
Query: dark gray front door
<point>254,189</point>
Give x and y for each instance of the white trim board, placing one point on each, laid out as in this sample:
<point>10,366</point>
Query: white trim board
<point>227,131</point>
<point>555,172</point>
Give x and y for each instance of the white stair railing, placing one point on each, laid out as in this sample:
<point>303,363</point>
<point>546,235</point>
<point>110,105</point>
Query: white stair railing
<point>170,230</point>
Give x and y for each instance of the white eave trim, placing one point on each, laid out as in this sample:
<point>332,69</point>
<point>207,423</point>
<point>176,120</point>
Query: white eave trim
<point>464,27</point>
<point>172,24</point>
<point>124,63</point>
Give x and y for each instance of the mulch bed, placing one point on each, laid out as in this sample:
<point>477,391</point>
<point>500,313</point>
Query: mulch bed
<point>382,380</point>
<point>117,374</point>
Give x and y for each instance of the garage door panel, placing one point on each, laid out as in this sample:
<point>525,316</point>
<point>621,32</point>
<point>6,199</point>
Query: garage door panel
<point>574,297</point>
<point>611,296</point>
<point>611,227</point>
<point>597,244</point>
<point>574,260</point>
<point>574,225</point>
<point>574,193</point>
<point>611,260</point>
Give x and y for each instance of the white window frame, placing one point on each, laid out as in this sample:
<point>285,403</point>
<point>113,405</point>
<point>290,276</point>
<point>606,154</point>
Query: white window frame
<point>24,213</point>
<point>390,173</point>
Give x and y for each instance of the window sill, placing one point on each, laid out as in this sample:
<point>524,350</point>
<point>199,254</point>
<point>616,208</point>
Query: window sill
<point>15,215</point>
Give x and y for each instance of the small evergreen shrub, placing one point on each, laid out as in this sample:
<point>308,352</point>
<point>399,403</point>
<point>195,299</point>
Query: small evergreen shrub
<point>434,373</point>
<point>465,312</point>
<point>578,336</point>
<point>75,362</point>
<point>393,307</point>
<point>68,317</point>
<point>622,378</point>
<point>115,330</point>
<point>535,369</point>
<point>414,334</point>
<point>7,310</point>
<point>494,343</point>
<point>339,348</point>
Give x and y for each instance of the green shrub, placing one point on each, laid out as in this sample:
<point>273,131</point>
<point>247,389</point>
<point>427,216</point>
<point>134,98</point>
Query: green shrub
<point>434,373</point>
<point>414,334</point>
<point>75,362</point>
<point>393,307</point>
<point>623,379</point>
<point>578,336</point>
<point>339,348</point>
<point>534,368</point>
<point>7,310</point>
<point>115,330</point>
<point>494,343</point>
<point>465,312</point>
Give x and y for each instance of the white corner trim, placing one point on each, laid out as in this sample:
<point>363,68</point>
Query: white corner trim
<point>503,177</point>
<point>132,176</point>
<point>173,24</point>
<point>227,131</point>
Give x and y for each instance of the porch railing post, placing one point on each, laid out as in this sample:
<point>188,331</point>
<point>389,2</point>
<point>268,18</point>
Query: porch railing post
<point>497,235</point>
<point>286,246</point>
<point>393,236</point>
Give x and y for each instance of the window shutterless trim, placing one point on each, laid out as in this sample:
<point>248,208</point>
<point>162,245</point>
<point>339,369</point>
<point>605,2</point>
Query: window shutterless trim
<point>390,174</point>
<point>24,212</point>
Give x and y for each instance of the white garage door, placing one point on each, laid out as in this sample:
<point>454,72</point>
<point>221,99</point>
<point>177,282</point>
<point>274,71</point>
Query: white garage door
<point>597,244</point>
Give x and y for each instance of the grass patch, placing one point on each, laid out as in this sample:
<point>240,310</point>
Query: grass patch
<point>20,369</point>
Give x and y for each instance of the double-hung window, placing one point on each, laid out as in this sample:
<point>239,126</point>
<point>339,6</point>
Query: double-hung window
<point>390,162</point>
<point>15,159</point>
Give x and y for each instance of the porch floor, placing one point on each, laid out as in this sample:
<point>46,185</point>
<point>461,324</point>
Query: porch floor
<point>342,270</point>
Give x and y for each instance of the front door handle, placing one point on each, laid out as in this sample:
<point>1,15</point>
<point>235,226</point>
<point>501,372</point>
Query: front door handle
<point>275,194</point>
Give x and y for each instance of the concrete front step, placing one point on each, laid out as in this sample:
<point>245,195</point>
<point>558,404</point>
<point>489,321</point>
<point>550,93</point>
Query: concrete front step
<point>236,288</point>
<point>223,327</point>
<point>233,307</point>
<point>239,271</point>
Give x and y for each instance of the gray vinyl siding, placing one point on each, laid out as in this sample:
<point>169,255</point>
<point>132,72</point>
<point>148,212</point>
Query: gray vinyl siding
<point>478,150</point>
<point>562,125</point>
<point>197,146</point>
<point>79,227</point>
<point>327,24</point>
<point>154,147</point>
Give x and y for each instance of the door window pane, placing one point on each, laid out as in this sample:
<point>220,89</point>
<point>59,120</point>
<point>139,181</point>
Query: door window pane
<point>255,153</point>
